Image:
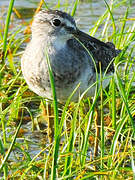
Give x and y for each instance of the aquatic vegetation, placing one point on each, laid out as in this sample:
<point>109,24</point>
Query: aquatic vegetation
<point>94,137</point>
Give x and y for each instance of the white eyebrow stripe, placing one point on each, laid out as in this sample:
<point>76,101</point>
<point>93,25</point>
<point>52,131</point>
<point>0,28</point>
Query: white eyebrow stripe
<point>69,24</point>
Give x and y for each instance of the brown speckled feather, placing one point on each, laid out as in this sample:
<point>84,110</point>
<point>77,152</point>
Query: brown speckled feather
<point>101,52</point>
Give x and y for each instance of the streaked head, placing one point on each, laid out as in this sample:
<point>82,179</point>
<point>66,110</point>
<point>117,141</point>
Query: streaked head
<point>53,23</point>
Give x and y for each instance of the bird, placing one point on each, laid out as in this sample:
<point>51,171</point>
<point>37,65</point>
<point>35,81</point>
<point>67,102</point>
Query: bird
<point>74,57</point>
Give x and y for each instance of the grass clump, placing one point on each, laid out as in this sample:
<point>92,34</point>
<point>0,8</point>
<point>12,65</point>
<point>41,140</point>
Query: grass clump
<point>94,137</point>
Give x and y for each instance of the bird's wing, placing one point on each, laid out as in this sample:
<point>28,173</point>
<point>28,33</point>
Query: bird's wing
<point>101,52</point>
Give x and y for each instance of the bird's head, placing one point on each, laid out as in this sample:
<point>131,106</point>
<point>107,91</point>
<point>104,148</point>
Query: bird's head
<point>53,23</point>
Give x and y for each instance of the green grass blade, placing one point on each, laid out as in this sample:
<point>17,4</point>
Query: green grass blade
<point>114,142</point>
<point>91,112</point>
<point>11,4</point>
<point>74,8</point>
<point>107,18</point>
<point>2,152</point>
<point>132,158</point>
<point>102,119</point>
<point>58,4</point>
<point>11,147</point>
<point>66,107</point>
<point>45,4</point>
<point>111,14</point>
<point>68,160</point>
<point>1,146</point>
<point>130,34</point>
<point>113,104</point>
<point>56,122</point>
<point>123,94</point>
<point>89,125</point>
<point>122,28</point>
<point>98,23</point>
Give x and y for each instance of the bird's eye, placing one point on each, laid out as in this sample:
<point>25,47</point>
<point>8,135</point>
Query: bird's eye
<point>56,22</point>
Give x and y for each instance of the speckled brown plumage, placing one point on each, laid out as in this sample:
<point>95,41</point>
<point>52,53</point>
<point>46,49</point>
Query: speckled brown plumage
<point>71,53</point>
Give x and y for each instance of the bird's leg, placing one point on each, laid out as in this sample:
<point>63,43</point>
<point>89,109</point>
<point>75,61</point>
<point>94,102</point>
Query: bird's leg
<point>49,118</point>
<point>97,124</point>
<point>50,122</point>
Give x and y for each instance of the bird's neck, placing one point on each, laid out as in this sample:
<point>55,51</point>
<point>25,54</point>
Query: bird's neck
<point>58,43</point>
